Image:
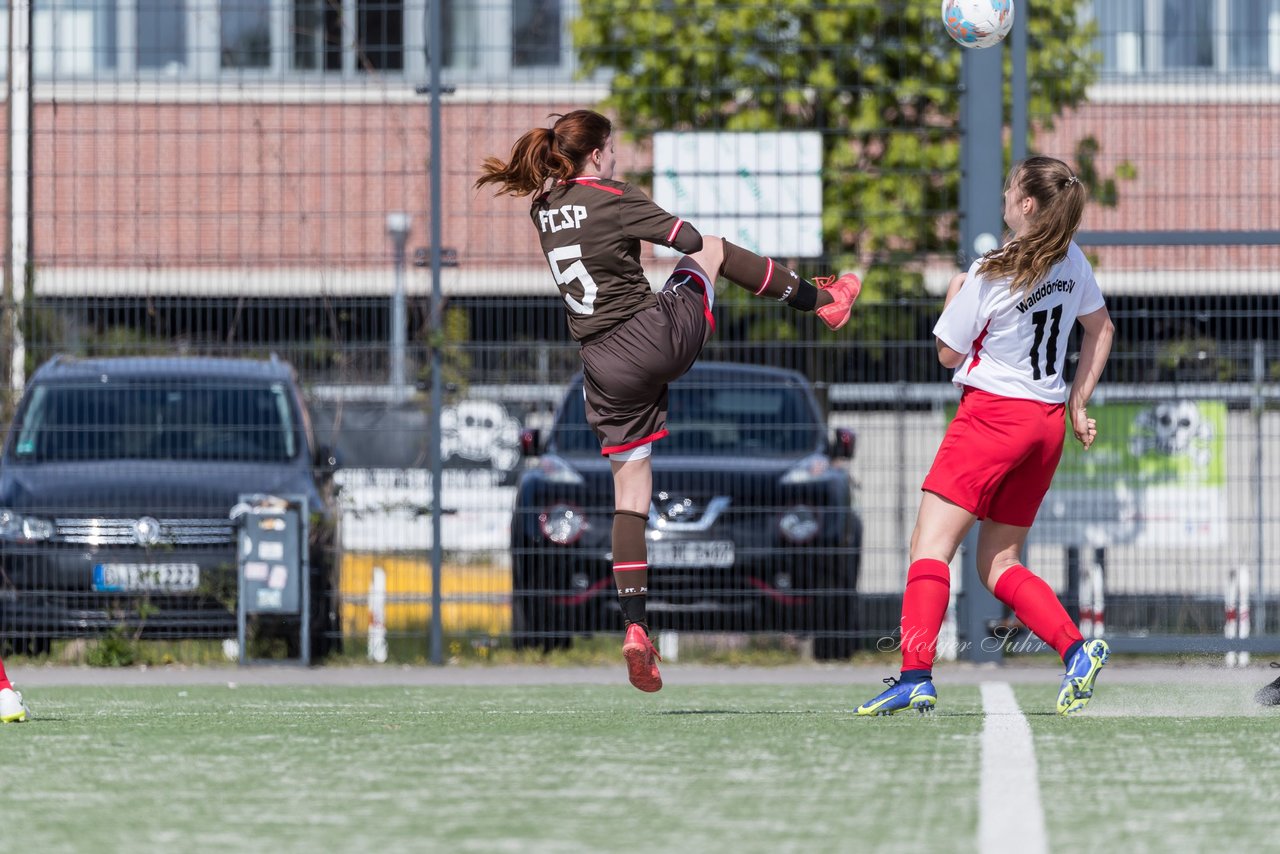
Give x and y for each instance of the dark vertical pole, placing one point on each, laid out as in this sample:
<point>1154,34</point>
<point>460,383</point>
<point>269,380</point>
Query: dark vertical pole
<point>1021,100</point>
<point>981,209</point>
<point>982,146</point>
<point>435,46</point>
<point>1073,583</point>
<point>18,287</point>
<point>1257,405</point>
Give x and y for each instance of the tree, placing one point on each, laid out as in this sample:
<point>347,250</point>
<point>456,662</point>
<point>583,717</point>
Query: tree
<point>879,79</point>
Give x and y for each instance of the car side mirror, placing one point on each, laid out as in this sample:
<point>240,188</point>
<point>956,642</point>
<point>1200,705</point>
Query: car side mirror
<point>844,444</point>
<point>530,442</point>
<point>327,460</point>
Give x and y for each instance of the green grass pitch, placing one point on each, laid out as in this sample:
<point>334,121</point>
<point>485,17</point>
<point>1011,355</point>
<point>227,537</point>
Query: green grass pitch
<point>600,768</point>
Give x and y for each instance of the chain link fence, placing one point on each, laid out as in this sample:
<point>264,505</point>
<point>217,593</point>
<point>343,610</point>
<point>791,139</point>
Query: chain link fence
<point>253,180</point>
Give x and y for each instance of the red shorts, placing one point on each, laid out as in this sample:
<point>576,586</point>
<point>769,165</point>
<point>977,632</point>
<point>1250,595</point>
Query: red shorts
<point>999,455</point>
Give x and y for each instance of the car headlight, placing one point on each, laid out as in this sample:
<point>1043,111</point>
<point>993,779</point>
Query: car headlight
<point>799,524</point>
<point>810,468</point>
<point>556,470</point>
<point>15,526</point>
<point>562,524</point>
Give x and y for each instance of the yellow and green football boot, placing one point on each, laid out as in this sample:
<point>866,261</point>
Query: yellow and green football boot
<point>1082,670</point>
<point>900,696</point>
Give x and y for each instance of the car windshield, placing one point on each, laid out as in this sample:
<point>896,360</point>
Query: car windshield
<point>731,418</point>
<point>157,420</point>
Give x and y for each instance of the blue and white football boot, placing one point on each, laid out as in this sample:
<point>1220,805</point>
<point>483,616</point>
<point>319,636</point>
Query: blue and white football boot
<point>1082,670</point>
<point>900,696</point>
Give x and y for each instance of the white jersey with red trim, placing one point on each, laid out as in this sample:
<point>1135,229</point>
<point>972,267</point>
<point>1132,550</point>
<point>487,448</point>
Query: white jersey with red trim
<point>1016,343</point>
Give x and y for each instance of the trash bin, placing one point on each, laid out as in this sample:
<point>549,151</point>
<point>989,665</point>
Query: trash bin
<point>271,557</point>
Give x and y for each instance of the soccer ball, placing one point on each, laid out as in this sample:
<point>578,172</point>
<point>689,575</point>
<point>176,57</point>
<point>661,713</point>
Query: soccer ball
<point>977,23</point>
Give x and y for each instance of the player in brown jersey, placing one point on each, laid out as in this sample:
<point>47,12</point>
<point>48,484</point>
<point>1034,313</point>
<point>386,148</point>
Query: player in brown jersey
<point>633,341</point>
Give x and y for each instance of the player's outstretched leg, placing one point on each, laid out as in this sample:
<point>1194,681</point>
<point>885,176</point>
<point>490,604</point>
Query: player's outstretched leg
<point>1269,694</point>
<point>1082,670</point>
<point>830,297</point>
<point>12,710</point>
<point>642,659</point>
<point>843,290</point>
<point>900,696</point>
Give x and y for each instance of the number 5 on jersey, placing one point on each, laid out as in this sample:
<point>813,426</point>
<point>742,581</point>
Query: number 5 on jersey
<point>575,272</point>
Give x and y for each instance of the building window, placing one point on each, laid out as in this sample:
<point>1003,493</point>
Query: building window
<point>317,36</point>
<point>203,38</point>
<point>324,41</point>
<point>1254,42</point>
<point>489,40</point>
<point>535,33</point>
<point>162,35</point>
<point>1180,36</point>
<point>73,37</point>
<point>380,35</point>
<point>4,41</point>
<point>246,35</point>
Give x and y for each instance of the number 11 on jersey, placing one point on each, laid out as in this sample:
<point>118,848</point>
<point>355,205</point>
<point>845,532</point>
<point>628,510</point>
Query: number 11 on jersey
<point>1041,319</point>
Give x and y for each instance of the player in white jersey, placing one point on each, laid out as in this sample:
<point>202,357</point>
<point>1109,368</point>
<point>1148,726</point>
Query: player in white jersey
<point>1004,330</point>
<point>1014,342</point>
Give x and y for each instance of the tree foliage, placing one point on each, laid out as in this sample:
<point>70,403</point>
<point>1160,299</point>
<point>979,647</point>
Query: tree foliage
<point>879,79</point>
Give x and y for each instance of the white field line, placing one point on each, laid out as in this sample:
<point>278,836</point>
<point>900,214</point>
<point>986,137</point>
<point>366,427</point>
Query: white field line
<point>1010,817</point>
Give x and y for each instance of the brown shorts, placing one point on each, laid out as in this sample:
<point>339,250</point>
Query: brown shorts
<point>625,372</point>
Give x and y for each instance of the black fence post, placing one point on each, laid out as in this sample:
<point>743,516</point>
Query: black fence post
<point>1073,583</point>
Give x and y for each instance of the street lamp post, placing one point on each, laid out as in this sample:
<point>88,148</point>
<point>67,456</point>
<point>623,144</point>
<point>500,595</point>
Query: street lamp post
<point>398,230</point>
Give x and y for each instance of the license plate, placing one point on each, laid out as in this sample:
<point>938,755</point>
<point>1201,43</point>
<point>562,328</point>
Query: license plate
<point>146,577</point>
<point>713,554</point>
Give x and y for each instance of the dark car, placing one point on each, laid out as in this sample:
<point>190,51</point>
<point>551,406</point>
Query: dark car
<point>752,524</point>
<point>117,483</point>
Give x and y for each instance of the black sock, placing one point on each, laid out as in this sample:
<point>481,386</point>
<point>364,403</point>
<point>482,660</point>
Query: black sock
<point>805,297</point>
<point>634,611</point>
<point>1071,651</point>
<point>910,676</point>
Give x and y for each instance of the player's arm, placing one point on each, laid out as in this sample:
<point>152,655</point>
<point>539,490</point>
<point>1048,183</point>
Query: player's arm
<point>960,322</point>
<point>1095,347</point>
<point>642,218</point>
<point>948,357</point>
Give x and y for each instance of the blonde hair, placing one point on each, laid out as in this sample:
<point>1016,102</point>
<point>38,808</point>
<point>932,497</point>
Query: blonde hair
<point>547,154</point>
<point>1060,198</point>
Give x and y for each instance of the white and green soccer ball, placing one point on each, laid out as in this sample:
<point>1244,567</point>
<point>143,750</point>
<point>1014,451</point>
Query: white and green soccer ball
<point>977,23</point>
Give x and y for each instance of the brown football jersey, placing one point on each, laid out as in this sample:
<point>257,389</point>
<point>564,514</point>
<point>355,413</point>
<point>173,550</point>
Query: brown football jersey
<point>590,229</point>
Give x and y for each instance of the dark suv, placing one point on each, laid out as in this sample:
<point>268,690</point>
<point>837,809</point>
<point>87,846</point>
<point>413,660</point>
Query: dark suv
<point>752,525</point>
<point>117,483</point>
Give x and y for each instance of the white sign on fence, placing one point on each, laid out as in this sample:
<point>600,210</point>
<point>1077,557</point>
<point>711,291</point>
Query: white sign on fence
<point>762,191</point>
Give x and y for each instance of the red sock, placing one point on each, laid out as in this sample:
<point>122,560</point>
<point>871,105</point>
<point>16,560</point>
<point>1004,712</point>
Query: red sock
<point>4,680</point>
<point>924,606</point>
<point>1035,604</point>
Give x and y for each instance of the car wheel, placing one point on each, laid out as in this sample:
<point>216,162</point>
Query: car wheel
<point>534,625</point>
<point>836,618</point>
<point>326,639</point>
<point>833,647</point>
<point>530,632</point>
<point>29,645</point>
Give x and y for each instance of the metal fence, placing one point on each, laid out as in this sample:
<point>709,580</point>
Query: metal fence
<point>242,179</point>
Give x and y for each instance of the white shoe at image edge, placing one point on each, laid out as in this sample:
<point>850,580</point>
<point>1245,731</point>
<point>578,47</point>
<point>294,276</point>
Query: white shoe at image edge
<point>11,708</point>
